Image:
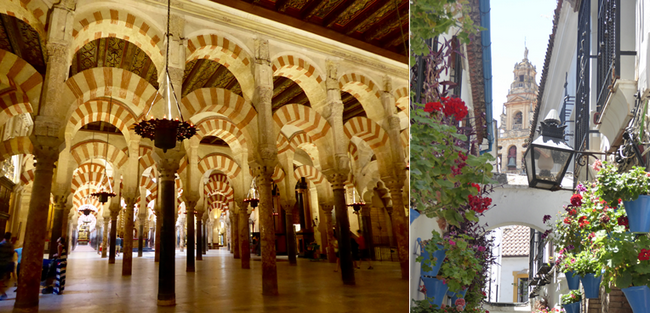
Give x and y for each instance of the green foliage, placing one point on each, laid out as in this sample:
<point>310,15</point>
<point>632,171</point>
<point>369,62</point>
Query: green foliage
<point>572,297</point>
<point>626,186</point>
<point>423,306</point>
<point>586,263</point>
<point>622,255</point>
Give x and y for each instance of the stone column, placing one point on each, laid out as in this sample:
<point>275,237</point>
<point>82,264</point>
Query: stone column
<point>343,227</point>
<point>46,152</point>
<point>190,206</point>
<point>269,267</point>
<point>205,234</point>
<point>57,225</point>
<point>141,234</point>
<point>127,263</point>
<point>234,229</point>
<point>65,220</point>
<point>291,234</point>
<point>400,226</point>
<point>244,243</point>
<point>157,235</point>
<point>115,211</point>
<point>167,164</point>
<point>199,240</point>
<point>329,225</point>
<point>105,238</point>
<point>367,230</point>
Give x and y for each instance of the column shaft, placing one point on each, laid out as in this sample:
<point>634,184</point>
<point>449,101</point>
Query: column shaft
<point>166,269</point>
<point>400,228</point>
<point>243,238</point>
<point>199,240</point>
<point>111,254</point>
<point>105,238</point>
<point>343,229</point>
<point>190,237</point>
<point>235,234</point>
<point>331,255</point>
<point>291,235</point>
<point>127,239</point>
<point>35,231</point>
<point>269,267</point>
<point>141,238</point>
<point>57,226</point>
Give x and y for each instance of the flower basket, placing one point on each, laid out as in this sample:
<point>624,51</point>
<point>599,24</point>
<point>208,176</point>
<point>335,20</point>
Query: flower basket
<point>638,213</point>
<point>591,284</point>
<point>438,256</point>
<point>639,298</point>
<point>572,308</point>
<point>436,290</point>
<point>572,280</point>
<point>458,295</point>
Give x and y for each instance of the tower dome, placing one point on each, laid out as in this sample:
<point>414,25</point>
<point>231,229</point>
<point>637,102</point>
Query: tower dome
<point>524,77</point>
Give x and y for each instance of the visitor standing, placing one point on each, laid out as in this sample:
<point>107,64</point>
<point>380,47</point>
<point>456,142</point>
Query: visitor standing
<point>364,252</point>
<point>6,264</point>
<point>61,263</point>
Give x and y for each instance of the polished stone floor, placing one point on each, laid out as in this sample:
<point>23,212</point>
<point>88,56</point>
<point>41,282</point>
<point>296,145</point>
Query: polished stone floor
<point>220,285</point>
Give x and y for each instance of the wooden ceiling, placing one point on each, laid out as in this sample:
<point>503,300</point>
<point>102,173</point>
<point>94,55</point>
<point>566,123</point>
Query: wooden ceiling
<point>22,40</point>
<point>204,73</point>
<point>378,26</point>
<point>115,52</point>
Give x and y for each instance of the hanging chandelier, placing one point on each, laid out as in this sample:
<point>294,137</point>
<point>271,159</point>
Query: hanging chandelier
<point>166,131</point>
<point>253,196</point>
<point>356,206</point>
<point>103,195</point>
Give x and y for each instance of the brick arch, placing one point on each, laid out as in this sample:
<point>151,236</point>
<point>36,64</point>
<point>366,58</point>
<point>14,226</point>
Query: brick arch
<point>96,149</point>
<point>20,76</point>
<point>131,90</point>
<point>367,130</point>
<point>98,110</point>
<point>97,178</point>
<point>224,50</point>
<point>219,183</point>
<point>366,92</point>
<point>27,176</point>
<point>106,20</point>
<point>278,174</point>
<point>402,98</point>
<point>217,202</point>
<point>205,102</point>
<point>301,141</point>
<point>303,73</point>
<point>32,12</point>
<point>15,146</point>
<point>315,176</point>
<point>146,158</point>
<point>221,162</point>
<point>283,144</point>
<point>304,118</point>
<point>353,151</point>
<point>82,196</point>
<point>224,129</point>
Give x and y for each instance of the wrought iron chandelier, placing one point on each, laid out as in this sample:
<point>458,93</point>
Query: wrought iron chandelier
<point>166,131</point>
<point>253,196</point>
<point>103,195</point>
<point>356,206</point>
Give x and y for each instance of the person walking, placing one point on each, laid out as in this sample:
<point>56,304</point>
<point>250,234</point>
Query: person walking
<point>363,250</point>
<point>61,263</point>
<point>6,264</point>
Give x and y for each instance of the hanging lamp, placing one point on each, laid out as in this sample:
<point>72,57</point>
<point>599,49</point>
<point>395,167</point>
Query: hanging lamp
<point>356,206</point>
<point>253,196</point>
<point>103,195</point>
<point>166,131</point>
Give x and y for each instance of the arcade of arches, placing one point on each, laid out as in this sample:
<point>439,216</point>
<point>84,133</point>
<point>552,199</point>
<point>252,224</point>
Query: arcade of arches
<point>309,122</point>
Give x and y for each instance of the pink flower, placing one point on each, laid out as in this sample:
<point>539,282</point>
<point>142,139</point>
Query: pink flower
<point>459,308</point>
<point>597,165</point>
<point>451,242</point>
<point>460,301</point>
<point>443,306</point>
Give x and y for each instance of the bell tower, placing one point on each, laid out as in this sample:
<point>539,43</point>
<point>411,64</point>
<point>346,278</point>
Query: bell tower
<point>516,117</point>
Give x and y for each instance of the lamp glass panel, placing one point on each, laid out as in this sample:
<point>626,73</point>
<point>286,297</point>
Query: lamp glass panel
<point>550,163</point>
<point>529,165</point>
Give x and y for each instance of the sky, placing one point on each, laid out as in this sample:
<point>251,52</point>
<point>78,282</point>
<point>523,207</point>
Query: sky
<point>513,23</point>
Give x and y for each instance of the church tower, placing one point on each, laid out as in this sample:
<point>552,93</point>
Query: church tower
<point>516,117</point>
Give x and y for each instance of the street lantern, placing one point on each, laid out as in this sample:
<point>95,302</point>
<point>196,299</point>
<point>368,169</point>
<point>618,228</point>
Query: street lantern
<point>547,158</point>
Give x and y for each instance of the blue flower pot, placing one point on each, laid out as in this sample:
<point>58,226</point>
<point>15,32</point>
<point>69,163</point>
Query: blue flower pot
<point>639,298</point>
<point>591,284</point>
<point>638,214</point>
<point>413,214</point>
<point>439,257</point>
<point>436,290</point>
<point>572,308</point>
<point>458,295</point>
<point>572,280</point>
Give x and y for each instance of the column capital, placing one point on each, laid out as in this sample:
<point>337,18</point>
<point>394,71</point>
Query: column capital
<point>130,200</point>
<point>168,162</point>
<point>332,80</point>
<point>60,200</point>
<point>327,208</point>
<point>337,179</point>
<point>394,183</point>
<point>262,55</point>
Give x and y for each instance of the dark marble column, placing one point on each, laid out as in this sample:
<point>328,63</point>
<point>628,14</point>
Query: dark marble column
<point>234,229</point>
<point>291,234</point>
<point>343,228</point>
<point>105,238</point>
<point>57,225</point>
<point>269,267</point>
<point>46,152</point>
<point>191,205</point>
<point>244,244</point>
<point>127,241</point>
<point>156,257</point>
<point>400,226</point>
<point>329,225</point>
<point>199,239</point>
<point>113,240</point>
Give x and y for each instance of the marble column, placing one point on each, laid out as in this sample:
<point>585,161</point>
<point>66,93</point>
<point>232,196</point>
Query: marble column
<point>157,235</point>
<point>267,232</point>
<point>115,211</point>
<point>105,238</point>
<point>244,235</point>
<point>141,235</point>
<point>291,233</point>
<point>199,240</point>
<point>57,225</point>
<point>343,228</point>
<point>190,206</point>
<point>46,152</point>
<point>367,230</point>
<point>167,163</point>
<point>234,229</point>
<point>205,234</point>
<point>65,220</point>
<point>400,226</point>
<point>127,263</point>
<point>329,225</point>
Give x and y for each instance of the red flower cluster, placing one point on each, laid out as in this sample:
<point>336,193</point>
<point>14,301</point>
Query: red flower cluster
<point>573,212</point>
<point>479,204</point>
<point>432,106</point>
<point>604,219</point>
<point>623,221</point>
<point>460,163</point>
<point>576,200</point>
<point>583,221</point>
<point>452,107</point>
<point>644,255</point>
<point>567,220</point>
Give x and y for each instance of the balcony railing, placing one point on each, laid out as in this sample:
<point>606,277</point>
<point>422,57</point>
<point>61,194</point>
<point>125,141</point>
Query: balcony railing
<point>609,48</point>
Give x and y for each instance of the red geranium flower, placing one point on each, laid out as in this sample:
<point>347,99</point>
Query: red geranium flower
<point>623,221</point>
<point>573,212</point>
<point>644,255</point>
<point>576,200</point>
<point>432,106</point>
<point>454,106</point>
<point>583,221</point>
<point>567,220</point>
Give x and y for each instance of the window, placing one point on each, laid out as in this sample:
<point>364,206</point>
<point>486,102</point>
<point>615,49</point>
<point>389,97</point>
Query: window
<point>521,78</point>
<point>522,289</point>
<point>512,158</point>
<point>516,121</point>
